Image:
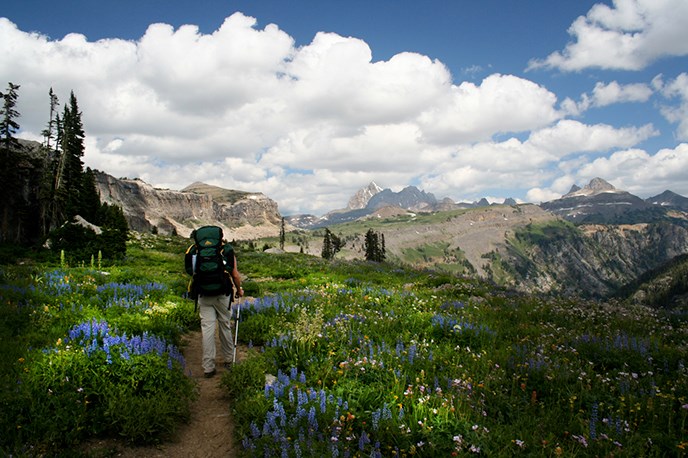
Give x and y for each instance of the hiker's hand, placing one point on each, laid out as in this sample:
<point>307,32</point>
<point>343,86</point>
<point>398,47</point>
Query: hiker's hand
<point>240,292</point>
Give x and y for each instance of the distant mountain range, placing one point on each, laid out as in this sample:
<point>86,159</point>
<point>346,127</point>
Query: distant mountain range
<point>597,202</point>
<point>601,203</point>
<point>615,237</point>
<point>374,201</point>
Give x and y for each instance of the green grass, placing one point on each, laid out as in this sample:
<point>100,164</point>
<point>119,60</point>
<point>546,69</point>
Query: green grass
<point>370,359</point>
<point>420,363</point>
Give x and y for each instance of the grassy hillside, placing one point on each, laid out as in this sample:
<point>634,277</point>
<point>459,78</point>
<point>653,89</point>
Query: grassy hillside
<point>521,247</point>
<point>368,360</point>
<point>218,194</point>
<point>456,241</point>
<point>666,286</point>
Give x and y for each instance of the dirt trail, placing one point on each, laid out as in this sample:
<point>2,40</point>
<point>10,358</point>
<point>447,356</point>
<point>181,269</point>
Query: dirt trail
<point>210,430</point>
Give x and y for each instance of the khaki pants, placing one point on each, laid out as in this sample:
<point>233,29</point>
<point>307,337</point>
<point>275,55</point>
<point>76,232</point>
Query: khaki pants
<point>215,309</point>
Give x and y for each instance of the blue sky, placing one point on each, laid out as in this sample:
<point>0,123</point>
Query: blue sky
<point>308,101</point>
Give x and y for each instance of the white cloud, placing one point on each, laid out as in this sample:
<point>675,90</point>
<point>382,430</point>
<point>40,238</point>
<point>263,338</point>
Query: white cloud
<point>568,136</point>
<point>538,195</point>
<point>633,170</point>
<point>678,114</point>
<point>244,108</point>
<point>512,164</point>
<point>639,172</point>
<point>609,94</point>
<point>501,104</point>
<point>629,35</point>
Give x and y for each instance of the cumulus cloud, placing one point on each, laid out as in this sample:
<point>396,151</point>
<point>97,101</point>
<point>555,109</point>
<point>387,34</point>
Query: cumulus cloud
<point>245,108</point>
<point>633,170</point>
<point>500,104</point>
<point>608,94</point>
<point>526,164</point>
<point>629,35</point>
<point>637,171</point>
<point>569,136</point>
<point>678,114</point>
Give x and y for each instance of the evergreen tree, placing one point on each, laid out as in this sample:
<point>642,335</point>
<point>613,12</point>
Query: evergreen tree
<point>113,240</point>
<point>59,194</point>
<point>8,123</point>
<point>282,235</point>
<point>374,246</point>
<point>10,158</point>
<point>326,252</point>
<point>71,183</point>
<point>46,191</point>
<point>337,243</point>
<point>90,202</point>
<point>331,245</point>
<point>383,250</point>
<point>49,132</point>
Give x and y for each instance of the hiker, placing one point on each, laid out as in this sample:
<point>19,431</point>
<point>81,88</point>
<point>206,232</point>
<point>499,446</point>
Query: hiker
<point>212,263</point>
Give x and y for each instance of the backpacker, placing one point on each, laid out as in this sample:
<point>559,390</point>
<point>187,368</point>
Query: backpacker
<point>209,261</point>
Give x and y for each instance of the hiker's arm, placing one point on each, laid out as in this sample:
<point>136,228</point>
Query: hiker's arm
<point>237,279</point>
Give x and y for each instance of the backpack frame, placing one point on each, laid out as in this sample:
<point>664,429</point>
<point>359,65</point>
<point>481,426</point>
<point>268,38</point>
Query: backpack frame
<point>209,260</point>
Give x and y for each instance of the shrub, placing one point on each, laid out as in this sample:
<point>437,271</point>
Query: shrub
<point>96,382</point>
<point>245,377</point>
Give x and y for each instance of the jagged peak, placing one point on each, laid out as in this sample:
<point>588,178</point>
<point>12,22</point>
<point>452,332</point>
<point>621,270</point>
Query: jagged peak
<point>363,195</point>
<point>599,185</point>
<point>574,188</point>
<point>596,186</point>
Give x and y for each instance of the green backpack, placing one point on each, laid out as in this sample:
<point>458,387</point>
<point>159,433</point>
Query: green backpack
<point>209,261</point>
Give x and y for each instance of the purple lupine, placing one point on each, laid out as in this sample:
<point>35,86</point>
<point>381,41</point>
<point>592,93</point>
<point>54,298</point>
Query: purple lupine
<point>323,401</point>
<point>363,440</point>
<point>255,432</point>
<point>312,421</point>
<point>412,353</point>
<point>593,421</point>
<point>376,418</point>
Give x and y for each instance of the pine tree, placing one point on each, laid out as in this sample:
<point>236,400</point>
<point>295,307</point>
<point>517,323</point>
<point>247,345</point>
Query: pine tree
<point>10,158</point>
<point>8,123</point>
<point>90,202</point>
<point>326,252</point>
<point>71,184</point>
<point>331,245</point>
<point>46,191</point>
<point>337,243</point>
<point>59,194</point>
<point>49,132</point>
<point>113,241</point>
<point>382,254</point>
<point>282,235</point>
<point>374,246</point>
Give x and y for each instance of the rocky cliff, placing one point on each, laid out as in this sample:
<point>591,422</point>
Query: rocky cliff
<point>242,215</point>
<point>588,260</point>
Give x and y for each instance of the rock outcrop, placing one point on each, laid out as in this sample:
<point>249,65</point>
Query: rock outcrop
<point>243,216</point>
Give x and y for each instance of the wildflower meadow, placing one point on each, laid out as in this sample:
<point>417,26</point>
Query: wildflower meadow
<point>91,351</point>
<point>345,359</point>
<point>374,360</point>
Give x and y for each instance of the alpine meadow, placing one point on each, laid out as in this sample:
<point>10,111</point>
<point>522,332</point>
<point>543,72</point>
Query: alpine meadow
<point>517,314</point>
<point>345,358</point>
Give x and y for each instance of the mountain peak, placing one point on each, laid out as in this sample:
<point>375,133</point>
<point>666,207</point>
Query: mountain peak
<point>599,185</point>
<point>362,196</point>
<point>669,199</point>
<point>596,186</point>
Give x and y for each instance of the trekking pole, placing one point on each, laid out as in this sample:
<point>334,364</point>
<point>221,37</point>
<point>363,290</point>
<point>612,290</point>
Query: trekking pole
<point>236,331</point>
